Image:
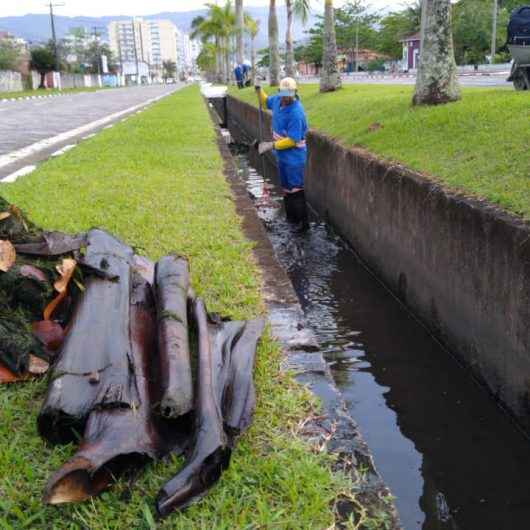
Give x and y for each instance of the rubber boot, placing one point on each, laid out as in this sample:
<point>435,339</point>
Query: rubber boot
<point>299,210</point>
<point>289,210</point>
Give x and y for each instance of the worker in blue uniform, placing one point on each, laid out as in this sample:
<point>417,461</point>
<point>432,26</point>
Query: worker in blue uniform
<point>239,75</point>
<point>289,128</point>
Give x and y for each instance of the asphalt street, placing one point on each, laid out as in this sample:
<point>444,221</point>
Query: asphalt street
<point>30,130</point>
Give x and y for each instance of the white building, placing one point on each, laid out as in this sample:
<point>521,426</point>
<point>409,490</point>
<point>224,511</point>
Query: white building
<point>187,52</point>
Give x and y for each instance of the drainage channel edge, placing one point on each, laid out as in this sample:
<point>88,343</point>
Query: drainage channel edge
<point>335,430</point>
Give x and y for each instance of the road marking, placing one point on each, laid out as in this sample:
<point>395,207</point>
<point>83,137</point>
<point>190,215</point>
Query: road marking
<point>33,149</point>
<point>63,150</point>
<point>26,170</point>
<point>88,136</point>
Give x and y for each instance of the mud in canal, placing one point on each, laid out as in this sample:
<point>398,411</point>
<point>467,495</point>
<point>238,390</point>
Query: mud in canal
<point>451,457</point>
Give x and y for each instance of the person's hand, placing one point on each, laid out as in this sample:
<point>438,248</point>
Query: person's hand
<point>264,147</point>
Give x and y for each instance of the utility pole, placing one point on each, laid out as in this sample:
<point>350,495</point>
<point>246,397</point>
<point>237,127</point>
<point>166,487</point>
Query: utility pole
<point>96,42</point>
<point>54,36</point>
<point>494,31</point>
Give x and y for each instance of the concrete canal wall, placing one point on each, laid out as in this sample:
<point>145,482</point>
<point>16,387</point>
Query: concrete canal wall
<point>461,265</point>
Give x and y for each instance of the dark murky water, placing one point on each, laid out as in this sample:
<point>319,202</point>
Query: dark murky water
<point>450,456</point>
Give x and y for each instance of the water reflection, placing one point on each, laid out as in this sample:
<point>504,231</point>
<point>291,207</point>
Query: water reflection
<point>450,456</point>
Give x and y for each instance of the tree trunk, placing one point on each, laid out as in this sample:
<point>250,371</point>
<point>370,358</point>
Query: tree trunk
<point>93,374</point>
<point>224,405</point>
<point>42,77</point>
<point>227,61</point>
<point>289,51</point>
<point>172,284</point>
<point>329,77</point>
<point>239,31</point>
<point>218,62</point>
<point>436,81</point>
<point>253,59</point>
<point>274,55</point>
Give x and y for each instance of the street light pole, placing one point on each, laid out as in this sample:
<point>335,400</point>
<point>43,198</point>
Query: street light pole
<point>54,36</point>
<point>98,49</point>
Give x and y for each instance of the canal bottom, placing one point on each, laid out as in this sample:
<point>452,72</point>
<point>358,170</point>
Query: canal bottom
<point>449,454</point>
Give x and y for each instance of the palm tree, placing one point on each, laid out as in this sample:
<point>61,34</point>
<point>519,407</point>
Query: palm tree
<point>252,29</point>
<point>299,9</point>
<point>436,81</point>
<point>219,25</point>
<point>239,31</point>
<point>329,77</point>
<point>274,54</point>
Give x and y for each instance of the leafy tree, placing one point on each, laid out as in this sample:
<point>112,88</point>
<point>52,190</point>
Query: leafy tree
<point>206,58</point>
<point>169,69</point>
<point>9,54</point>
<point>299,9</point>
<point>42,60</point>
<point>394,27</point>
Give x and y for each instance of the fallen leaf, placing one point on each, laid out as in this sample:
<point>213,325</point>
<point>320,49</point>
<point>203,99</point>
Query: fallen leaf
<point>7,376</point>
<point>52,306</point>
<point>375,127</point>
<point>14,210</point>
<point>65,270</point>
<point>8,255</point>
<point>50,333</point>
<point>4,215</point>
<point>37,366</point>
<point>29,271</point>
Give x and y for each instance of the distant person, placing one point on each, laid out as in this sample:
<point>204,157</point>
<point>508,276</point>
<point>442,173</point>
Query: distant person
<point>246,67</point>
<point>289,128</point>
<point>239,75</point>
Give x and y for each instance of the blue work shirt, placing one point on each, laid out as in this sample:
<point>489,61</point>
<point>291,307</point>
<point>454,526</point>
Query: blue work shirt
<point>289,121</point>
<point>238,73</point>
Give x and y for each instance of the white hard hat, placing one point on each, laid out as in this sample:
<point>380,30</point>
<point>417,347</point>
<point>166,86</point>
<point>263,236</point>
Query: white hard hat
<point>287,87</point>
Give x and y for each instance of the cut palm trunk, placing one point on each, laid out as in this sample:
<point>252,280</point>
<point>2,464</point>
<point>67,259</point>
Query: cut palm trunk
<point>95,368</point>
<point>224,405</point>
<point>122,439</point>
<point>172,285</point>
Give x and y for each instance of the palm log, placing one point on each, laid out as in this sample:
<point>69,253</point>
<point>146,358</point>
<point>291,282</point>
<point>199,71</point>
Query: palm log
<point>117,439</point>
<point>95,369</point>
<point>224,405</point>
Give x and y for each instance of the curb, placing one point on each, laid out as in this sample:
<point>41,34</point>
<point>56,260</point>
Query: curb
<point>334,430</point>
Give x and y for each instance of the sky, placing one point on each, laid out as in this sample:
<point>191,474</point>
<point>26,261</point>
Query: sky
<point>134,7</point>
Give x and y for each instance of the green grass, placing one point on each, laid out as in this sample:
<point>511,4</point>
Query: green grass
<point>47,92</point>
<point>479,145</point>
<point>156,181</point>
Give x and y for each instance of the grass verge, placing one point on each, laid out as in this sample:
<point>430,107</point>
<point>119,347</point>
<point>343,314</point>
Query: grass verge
<point>156,181</point>
<point>479,145</point>
<point>47,92</point>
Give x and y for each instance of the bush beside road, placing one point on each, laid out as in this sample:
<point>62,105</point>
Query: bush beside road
<point>156,181</point>
<point>479,145</point>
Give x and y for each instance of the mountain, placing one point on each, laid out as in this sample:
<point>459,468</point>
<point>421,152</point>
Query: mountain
<point>36,28</point>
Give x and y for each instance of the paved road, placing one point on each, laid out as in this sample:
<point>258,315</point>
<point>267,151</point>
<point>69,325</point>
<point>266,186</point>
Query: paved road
<point>31,129</point>
<point>494,80</point>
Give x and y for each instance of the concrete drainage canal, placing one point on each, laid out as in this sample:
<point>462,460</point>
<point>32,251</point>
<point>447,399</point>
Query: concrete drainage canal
<point>452,458</point>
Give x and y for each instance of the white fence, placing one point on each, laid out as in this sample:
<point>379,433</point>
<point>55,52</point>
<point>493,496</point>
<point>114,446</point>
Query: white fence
<point>10,81</point>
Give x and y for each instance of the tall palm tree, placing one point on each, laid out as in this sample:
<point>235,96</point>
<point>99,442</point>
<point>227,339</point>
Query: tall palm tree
<point>219,26</point>
<point>436,81</point>
<point>274,54</point>
<point>239,30</point>
<point>299,9</point>
<point>329,76</point>
<point>252,29</point>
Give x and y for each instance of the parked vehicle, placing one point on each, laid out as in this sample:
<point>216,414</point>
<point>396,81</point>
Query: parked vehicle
<point>519,46</point>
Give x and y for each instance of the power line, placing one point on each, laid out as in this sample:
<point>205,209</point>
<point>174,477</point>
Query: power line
<point>54,36</point>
